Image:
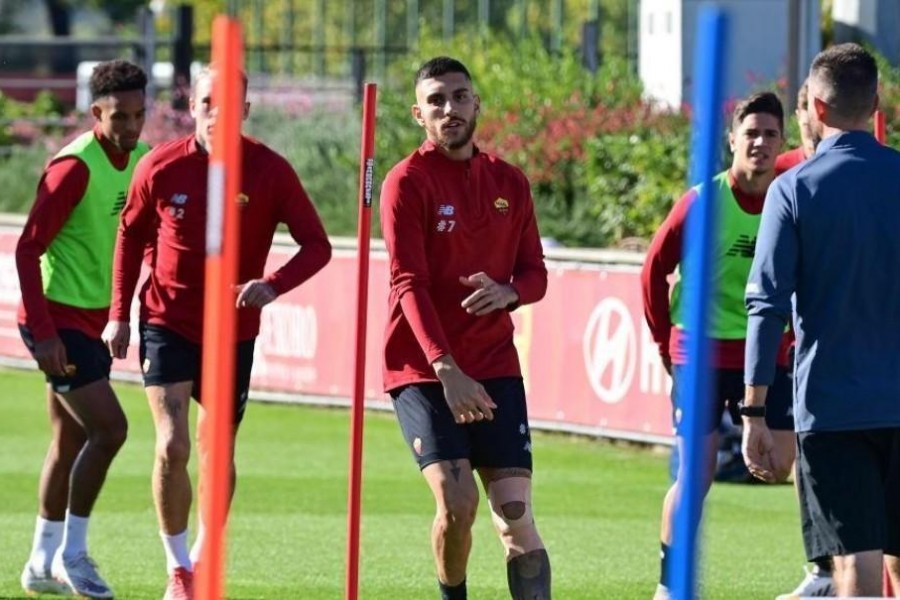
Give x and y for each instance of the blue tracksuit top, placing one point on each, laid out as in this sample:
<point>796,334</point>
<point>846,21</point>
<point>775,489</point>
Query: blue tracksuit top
<point>829,241</point>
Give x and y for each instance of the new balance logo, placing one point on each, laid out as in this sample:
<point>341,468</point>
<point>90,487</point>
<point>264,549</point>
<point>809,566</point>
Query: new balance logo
<point>178,199</point>
<point>118,205</point>
<point>744,246</point>
<point>445,210</point>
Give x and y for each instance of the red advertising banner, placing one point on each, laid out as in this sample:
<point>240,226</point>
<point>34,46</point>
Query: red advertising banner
<point>589,362</point>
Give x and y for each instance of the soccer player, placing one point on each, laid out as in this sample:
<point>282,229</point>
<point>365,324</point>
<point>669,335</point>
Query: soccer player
<point>167,212</point>
<point>64,261</point>
<point>828,250</point>
<point>808,141</point>
<point>755,139</point>
<point>464,251</point>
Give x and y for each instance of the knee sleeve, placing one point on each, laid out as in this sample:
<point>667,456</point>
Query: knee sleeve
<point>511,505</point>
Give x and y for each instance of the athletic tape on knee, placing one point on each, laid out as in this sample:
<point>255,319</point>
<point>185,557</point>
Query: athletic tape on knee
<point>510,500</point>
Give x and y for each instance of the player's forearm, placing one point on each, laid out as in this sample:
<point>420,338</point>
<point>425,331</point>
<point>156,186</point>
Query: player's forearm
<point>426,326</point>
<point>37,313</point>
<point>764,332</point>
<point>308,261</point>
<point>126,272</point>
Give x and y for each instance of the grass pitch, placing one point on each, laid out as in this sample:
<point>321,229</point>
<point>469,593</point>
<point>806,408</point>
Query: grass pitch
<point>597,507</point>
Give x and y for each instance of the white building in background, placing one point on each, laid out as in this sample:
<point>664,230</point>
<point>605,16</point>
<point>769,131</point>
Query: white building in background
<point>874,21</point>
<point>757,48</point>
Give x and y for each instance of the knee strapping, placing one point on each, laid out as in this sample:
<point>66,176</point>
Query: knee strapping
<point>512,517</point>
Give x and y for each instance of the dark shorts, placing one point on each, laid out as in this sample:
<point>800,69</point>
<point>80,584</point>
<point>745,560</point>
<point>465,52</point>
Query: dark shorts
<point>90,357</point>
<point>167,357</point>
<point>728,390</point>
<point>849,486</point>
<point>433,435</point>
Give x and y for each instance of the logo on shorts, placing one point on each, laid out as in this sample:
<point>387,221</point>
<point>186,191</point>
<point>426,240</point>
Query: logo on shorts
<point>243,200</point>
<point>417,446</point>
<point>527,447</point>
<point>502,205</point>
<point>523,429</point>
<point>178,199</point>
<point>146,366</point>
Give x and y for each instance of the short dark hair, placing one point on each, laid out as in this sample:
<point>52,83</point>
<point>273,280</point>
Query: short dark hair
<point>763,102</point>
<point>441,65</point>
<point>847,75</point>
<point>116,76</point>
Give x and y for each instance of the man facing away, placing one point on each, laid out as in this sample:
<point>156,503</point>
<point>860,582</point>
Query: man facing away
<point>464,251</point>
<point>64,261</point>
<point>755,139</point>
<point>167,212</point>
<point>828,254</point>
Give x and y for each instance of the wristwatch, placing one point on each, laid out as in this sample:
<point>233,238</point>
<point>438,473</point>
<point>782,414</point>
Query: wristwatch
<point>751,411</point>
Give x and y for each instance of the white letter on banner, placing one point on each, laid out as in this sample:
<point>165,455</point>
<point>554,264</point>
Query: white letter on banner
<point>610,350</point>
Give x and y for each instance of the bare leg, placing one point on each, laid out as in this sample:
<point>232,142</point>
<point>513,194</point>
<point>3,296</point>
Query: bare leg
<point>171,483</point>
<point>893,568</point>
<point>203,425</point>
<point>456,498</point>
<point>528,565</point>
<point>858,575</point>
<point>96,407</point>
<point>668,510</point>
<point>68,438</point>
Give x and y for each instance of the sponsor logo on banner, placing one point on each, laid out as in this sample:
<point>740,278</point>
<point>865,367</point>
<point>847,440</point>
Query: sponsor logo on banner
<point>610,350</point>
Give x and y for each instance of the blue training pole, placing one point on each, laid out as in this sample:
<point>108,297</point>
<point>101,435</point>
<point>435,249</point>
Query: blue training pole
<point>699,245</point>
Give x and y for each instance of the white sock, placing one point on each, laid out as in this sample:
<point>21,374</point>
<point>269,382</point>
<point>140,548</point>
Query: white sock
<point>48,537</point>
<point>75,537</point>
<point>197,548</point>
<point>176,551</point>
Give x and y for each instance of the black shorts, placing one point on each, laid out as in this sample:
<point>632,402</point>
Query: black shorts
<point>90,357</point>
<point>433,435</point>
<point>849,486</point>
<point>728,390</point>
<point>167,357</point>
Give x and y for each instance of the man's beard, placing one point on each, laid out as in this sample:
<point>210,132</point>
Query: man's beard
<point>460,142</point>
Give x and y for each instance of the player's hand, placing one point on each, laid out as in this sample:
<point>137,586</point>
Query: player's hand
<point>117,335</point>
<point>256,293</point>
<point>467,399</point>
<point>488,295</point>
<point>51,358</point>
<point>758,449</point>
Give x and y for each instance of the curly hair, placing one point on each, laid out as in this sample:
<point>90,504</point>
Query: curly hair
<point>116,76</point>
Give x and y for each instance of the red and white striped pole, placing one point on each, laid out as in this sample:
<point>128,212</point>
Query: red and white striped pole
<point>366,185</point>
<point>219,313</point>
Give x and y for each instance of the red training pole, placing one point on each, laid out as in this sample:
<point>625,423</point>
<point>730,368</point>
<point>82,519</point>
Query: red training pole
<point>881,134</point>
<point>366,183</point>
<point>219,313</point>
<point>880,127</point>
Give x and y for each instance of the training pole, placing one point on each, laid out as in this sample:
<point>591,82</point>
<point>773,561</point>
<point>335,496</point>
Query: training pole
<point>366,183</point>
<point>887,590</point>
<point>699,246</point>
<point>219,313</point>
<point>880,127</point>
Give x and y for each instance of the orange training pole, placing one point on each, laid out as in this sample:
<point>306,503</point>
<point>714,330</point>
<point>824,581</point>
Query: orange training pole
<point>887,589</point>
<point>366,183</point>
<point>219,313</point>
<point>880,127</point>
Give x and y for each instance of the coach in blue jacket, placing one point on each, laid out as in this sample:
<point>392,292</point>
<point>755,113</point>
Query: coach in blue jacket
<point>830,241</point>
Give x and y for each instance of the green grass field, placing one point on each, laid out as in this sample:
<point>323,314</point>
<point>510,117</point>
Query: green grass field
<point>597,507</point>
